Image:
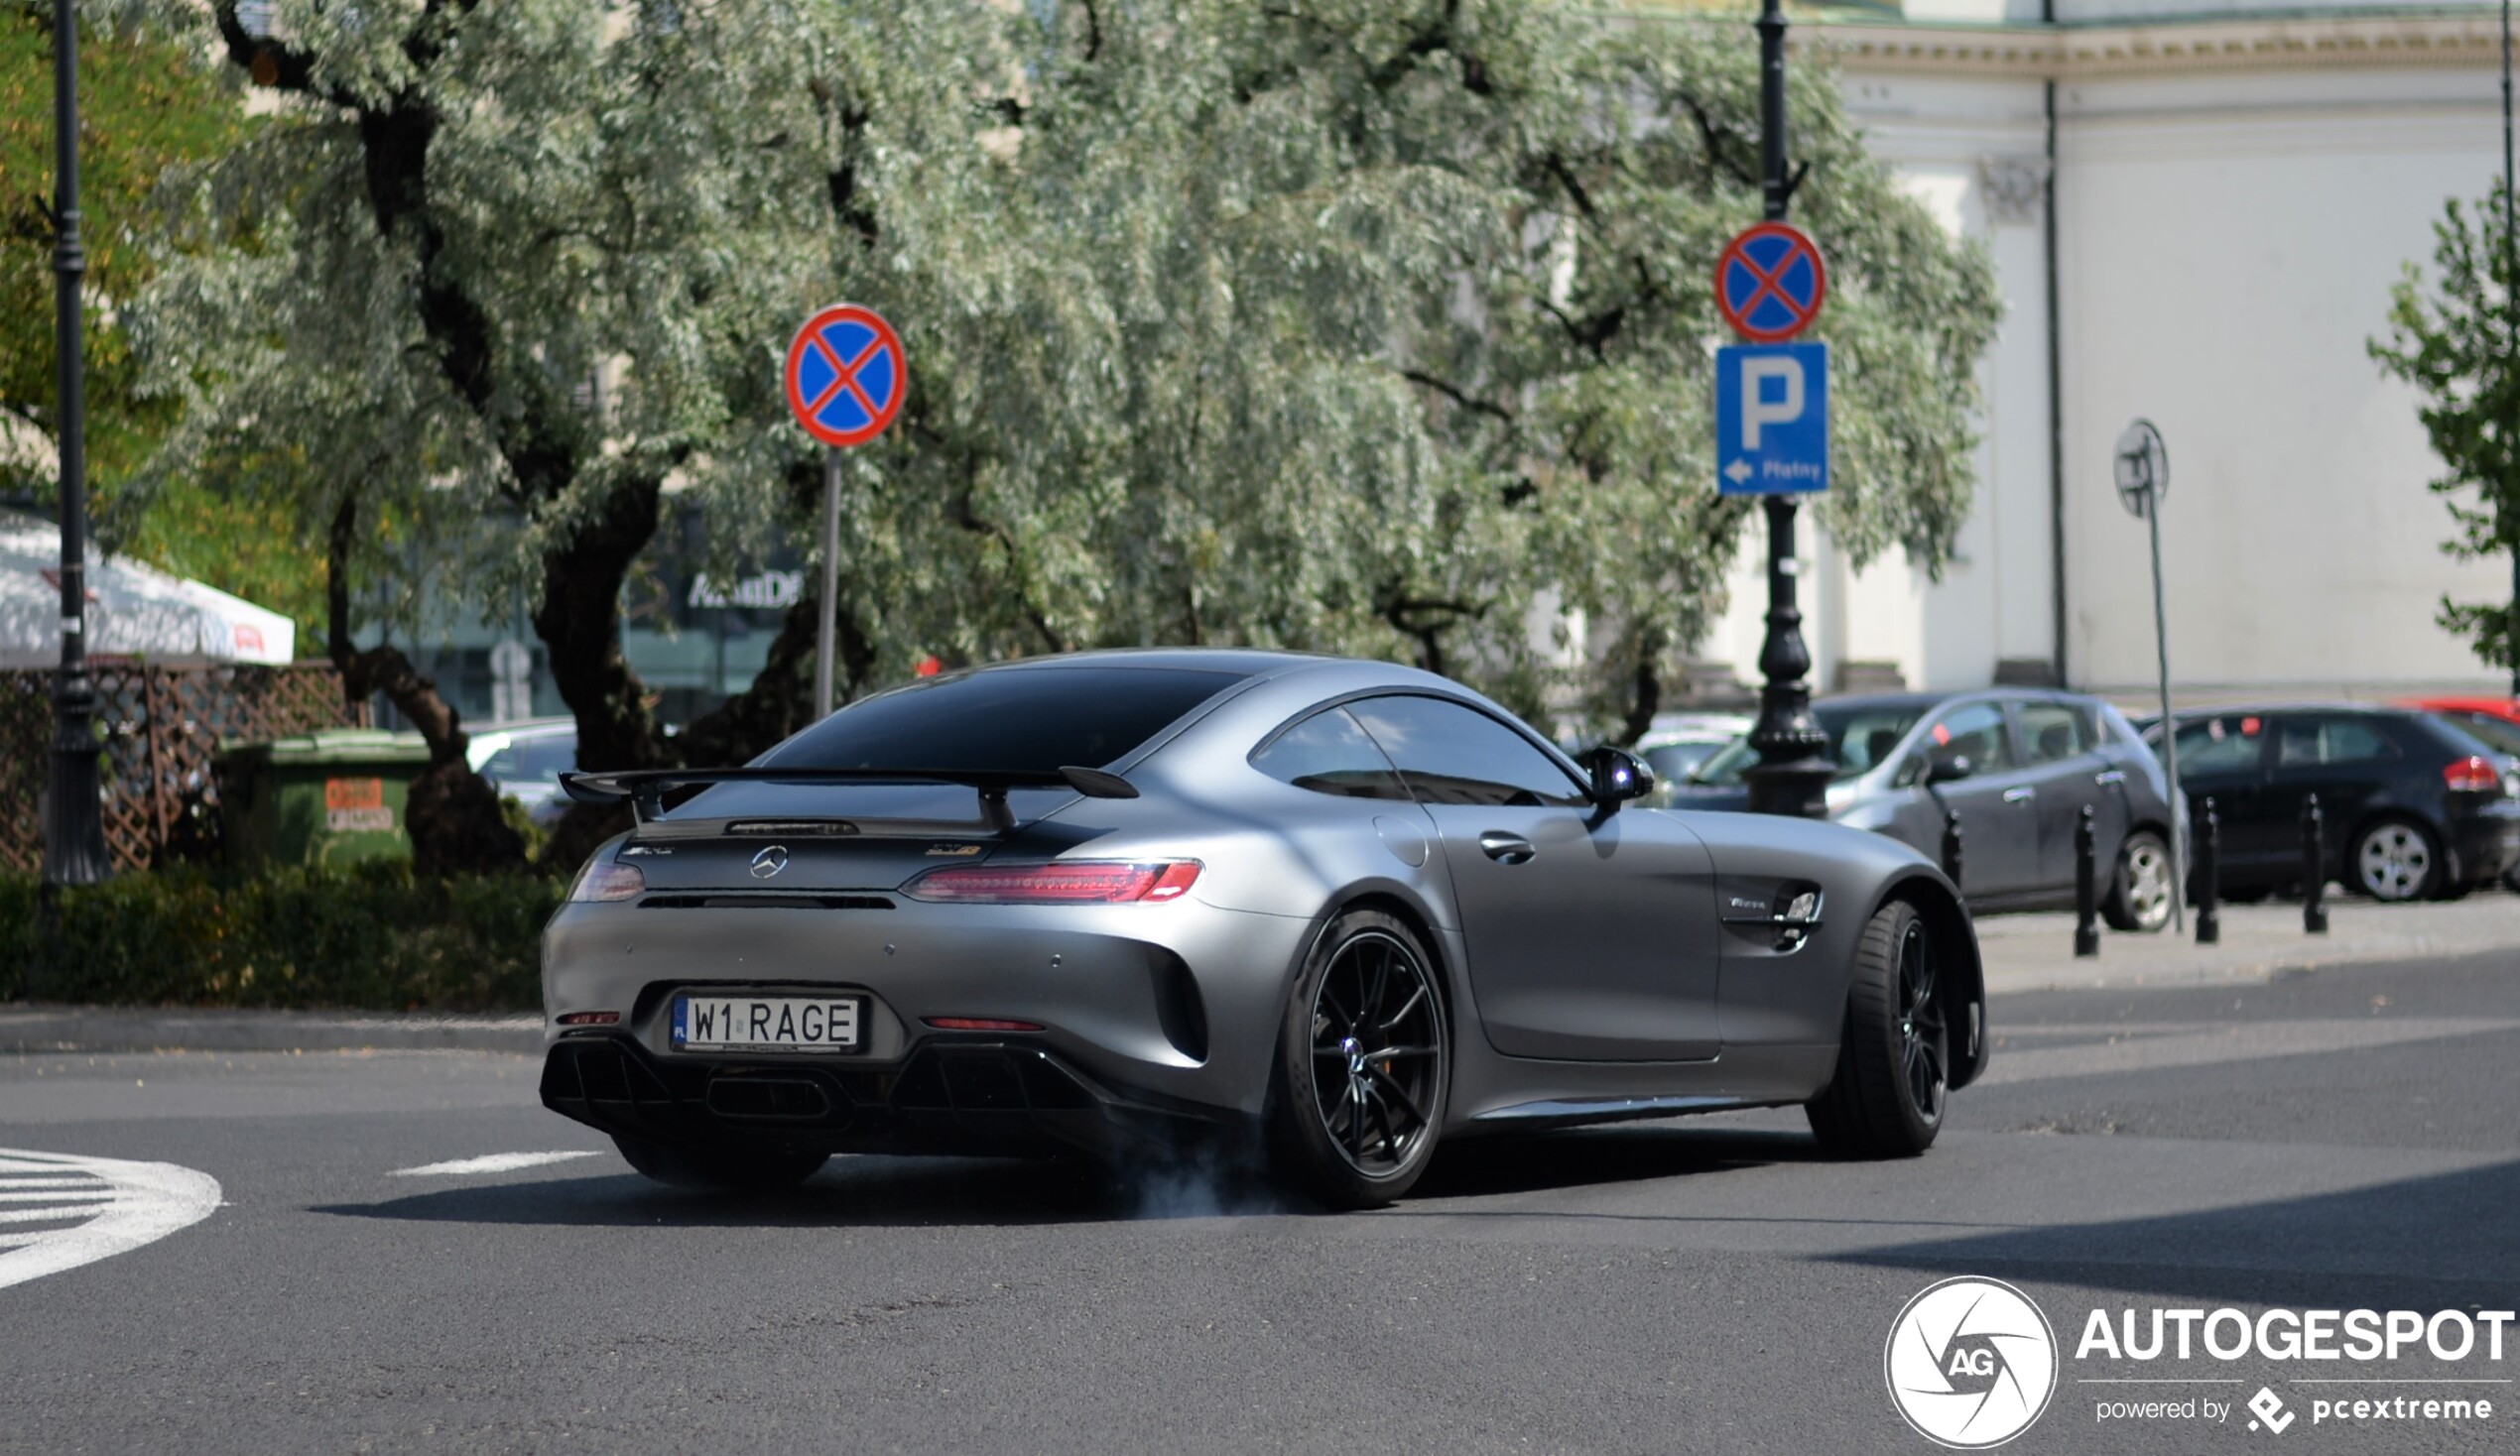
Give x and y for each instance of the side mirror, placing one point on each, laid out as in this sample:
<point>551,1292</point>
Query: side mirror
<point>1951,770</point>
<point>1618,776</point>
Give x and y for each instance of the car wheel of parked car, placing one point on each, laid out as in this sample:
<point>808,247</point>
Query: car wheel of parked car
<point>1361,1065</point>
<point>748,1170</point>
<point>2394,859</point>
<point>2139,896</point>
<point>1894,1055</point>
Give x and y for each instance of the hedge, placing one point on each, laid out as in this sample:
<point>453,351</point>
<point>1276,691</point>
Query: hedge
<point>369,936</point>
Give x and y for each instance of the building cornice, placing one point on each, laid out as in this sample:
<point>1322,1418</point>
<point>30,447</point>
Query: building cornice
<point>2441,40</point>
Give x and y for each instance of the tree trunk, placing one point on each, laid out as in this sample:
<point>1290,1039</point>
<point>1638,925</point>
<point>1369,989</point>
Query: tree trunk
<point>452,813</point>
<point>579,623</point>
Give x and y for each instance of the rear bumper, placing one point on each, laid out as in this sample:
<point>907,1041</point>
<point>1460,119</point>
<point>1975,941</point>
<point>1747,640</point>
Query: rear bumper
<point>2485,845</point>
<point>984,1097</point>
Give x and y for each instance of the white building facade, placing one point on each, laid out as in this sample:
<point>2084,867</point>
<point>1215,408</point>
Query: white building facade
<point>2195,218</point>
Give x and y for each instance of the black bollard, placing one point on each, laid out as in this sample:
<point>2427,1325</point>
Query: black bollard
<point>2313,868</point>
<point>2208,872</point>
<point>1952,856</point>
<point>2087,886</point>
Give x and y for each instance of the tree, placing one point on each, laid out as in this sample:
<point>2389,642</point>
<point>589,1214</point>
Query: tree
<point>1341,324</point>
<point>1350,325</point>
<point>2454,343</point>
<point>148,104</point>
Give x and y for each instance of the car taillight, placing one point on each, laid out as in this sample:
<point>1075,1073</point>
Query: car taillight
<point>2473,774</point>
<point>606,880</point>
<point>1083,883</point>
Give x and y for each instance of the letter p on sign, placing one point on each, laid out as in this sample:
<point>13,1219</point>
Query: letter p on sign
<point>1771,418</point>
<point>1762,405</point>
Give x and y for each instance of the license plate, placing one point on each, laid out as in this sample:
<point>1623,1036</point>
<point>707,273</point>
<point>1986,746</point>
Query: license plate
<point>826,1024</point>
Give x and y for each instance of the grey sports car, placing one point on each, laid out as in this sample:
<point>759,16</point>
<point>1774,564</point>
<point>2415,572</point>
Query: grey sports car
<point>1127,904</point>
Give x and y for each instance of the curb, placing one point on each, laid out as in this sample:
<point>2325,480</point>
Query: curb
<point>28,1028</point>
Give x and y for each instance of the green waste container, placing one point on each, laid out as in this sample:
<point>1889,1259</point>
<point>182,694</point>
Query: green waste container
<point>323,798</point>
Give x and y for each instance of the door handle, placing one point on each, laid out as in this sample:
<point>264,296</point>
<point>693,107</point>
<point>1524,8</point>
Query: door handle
<point>1504,848</point>
<point>2023,795</point>
<point>2112,776</point>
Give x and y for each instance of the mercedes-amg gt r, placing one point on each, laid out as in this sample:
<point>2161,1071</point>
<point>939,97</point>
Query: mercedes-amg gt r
<point>1120,903</point>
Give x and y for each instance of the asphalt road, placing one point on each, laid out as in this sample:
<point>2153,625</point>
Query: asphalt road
<point>2340,1138</point>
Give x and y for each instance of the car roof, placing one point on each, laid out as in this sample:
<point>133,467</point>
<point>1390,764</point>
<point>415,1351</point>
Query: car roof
<point>1249,662</point>
<point>2497,707</point>
<point>2359,710</point>
<point>526,728</point>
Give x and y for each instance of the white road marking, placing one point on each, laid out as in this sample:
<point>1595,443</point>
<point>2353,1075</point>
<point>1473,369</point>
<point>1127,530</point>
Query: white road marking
<point>143,1202</point>
<point>39,1215</point>
<point>496,1163</point>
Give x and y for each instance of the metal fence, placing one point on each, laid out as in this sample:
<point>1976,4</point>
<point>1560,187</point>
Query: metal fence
<point>163,727</point>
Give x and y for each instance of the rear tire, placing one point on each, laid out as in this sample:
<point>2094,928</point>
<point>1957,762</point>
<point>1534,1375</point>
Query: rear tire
<point>2139,891</point>
<point>1894,1055</point>
<point>2395,859</point>
<point>750,1171</point>
<point>1351,1128</point>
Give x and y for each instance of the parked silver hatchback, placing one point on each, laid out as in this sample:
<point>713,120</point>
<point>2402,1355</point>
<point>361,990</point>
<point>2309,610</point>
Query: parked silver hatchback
<point>2017,766</point>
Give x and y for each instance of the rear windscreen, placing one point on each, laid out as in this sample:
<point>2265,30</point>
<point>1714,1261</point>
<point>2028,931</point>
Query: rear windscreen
<point>1005,720</point>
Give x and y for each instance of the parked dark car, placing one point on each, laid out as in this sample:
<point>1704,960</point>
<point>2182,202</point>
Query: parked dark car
<point>2018,766</point>
<point>2415,809</point>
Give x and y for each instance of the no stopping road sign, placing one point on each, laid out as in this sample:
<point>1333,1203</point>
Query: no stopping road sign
<point>1770,283</point>
<point>846,375</point>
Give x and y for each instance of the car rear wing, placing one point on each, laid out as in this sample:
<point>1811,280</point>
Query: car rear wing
<point>644,789</point>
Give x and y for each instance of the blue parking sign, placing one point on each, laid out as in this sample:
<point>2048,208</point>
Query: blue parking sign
<point>1771,418</point>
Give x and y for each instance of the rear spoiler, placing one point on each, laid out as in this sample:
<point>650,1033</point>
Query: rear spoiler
<point>645,789</point>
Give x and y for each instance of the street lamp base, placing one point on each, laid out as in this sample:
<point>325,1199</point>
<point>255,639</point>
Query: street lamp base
<point>1798,787</point>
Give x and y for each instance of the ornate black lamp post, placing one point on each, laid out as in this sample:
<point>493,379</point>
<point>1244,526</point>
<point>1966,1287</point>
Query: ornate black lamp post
<point>1792,773</point>
<point>74,827</point>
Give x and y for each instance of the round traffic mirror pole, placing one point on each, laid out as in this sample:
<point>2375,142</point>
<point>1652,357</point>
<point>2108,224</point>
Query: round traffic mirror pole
<point>2168,727</point>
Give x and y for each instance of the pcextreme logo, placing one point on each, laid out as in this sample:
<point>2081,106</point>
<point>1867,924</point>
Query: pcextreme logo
<point>1970,1362</point>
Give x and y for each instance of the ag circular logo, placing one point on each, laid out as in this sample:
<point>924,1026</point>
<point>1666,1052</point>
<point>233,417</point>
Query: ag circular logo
<point>1971,1363</point>
<point>770,862</point>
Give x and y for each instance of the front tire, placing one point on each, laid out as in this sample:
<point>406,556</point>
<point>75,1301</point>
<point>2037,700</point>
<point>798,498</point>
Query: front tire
<point>1894,1055</point>
<point>2395,859</point>
<point>1364,1065</point>
<point>749,1172</point>
<point>2140,895</point>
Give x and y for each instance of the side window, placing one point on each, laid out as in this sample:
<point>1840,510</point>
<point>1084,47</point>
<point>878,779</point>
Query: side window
<point>2221,745</point>
<point>1329,753</point>
<point>1451,754</point>
<point>1975,731</point>
<point>2307,742</point>
<point>2054,732</point>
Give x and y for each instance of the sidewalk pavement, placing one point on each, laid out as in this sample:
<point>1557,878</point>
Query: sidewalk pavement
<point>2032,953</point>
<point>2260,942</point>
<point>39,1028</point>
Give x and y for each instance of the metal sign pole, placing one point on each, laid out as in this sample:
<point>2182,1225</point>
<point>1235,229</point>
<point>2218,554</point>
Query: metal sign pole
<point>2169,729</point>
<point>827,631</point>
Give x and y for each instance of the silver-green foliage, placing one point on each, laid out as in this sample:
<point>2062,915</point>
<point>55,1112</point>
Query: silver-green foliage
<point>1379,326</point>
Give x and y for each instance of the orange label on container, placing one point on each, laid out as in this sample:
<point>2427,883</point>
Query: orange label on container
<point>355,794</point>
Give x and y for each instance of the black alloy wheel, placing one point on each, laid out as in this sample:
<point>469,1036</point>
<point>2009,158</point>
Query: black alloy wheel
<point>1894,1057</point>
<point>1363,1068</point>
